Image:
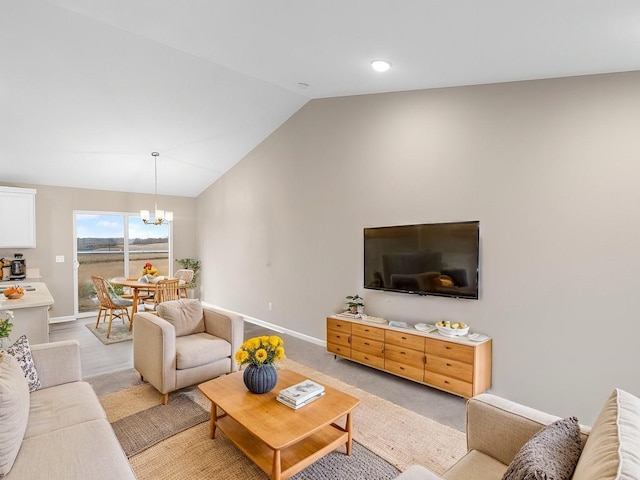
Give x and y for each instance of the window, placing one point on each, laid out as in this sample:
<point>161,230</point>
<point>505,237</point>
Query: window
<point>116,245</point>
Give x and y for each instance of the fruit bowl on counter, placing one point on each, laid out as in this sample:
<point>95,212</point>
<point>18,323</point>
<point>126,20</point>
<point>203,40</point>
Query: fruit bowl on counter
<point>452,329</point>
<point>14,293</point>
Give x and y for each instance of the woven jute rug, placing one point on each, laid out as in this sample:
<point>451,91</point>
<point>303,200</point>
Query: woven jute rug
<point>396,435</point>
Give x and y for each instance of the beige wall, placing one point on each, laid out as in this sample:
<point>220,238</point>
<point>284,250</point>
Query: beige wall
<point>551,170</point>
<point>54,233</point>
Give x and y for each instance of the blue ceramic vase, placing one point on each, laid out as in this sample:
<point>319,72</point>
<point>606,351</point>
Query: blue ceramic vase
<point>260,379</point>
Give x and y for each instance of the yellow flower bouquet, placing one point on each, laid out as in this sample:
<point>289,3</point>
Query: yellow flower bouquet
<point>260,351</point>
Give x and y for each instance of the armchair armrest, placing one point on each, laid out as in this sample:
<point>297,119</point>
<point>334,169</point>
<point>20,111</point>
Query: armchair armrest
<point>57,362</point>
<point>225,325</point>
<point>154,350</point>
<point>499,427</point>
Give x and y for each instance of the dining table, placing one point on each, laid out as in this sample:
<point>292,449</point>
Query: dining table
<point>136,286</point>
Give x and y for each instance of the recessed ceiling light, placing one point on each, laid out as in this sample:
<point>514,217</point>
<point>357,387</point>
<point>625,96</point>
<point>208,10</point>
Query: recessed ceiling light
<point>380,65</point>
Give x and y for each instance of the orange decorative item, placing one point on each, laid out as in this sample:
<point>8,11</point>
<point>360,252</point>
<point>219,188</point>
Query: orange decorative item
<point>14,292</point>
<point>149,270</point>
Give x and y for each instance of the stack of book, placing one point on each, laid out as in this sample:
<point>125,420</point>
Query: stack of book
<point>300,394</point>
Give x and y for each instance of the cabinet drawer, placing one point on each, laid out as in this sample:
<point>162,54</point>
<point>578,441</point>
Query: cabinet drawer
<point>406,340</point>
<point>368,358</point>
<point>339,338</point>
<point>404,370</point>
<point>366,331</point>
<point>450,368</point>
<point>453,385</point>
<point>339,350</point>
<point>366,345</point>
<point>454,351</point>
<point>338,325</point>
<point>406,356</point>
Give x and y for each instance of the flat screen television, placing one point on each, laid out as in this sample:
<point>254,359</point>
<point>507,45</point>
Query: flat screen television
<point>428,259</point>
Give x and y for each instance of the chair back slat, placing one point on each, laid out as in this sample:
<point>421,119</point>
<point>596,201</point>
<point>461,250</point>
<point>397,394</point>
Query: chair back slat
<point>167,290</point>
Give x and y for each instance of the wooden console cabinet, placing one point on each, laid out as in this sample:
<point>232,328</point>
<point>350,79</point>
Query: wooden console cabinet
<point>455,365</point>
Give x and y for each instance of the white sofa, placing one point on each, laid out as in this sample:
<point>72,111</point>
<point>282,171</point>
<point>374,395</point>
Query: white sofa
<point>497,429</point>
<point>61,429</point>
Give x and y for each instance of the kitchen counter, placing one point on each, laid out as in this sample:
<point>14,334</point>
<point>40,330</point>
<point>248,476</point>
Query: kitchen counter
<point>31,312</point>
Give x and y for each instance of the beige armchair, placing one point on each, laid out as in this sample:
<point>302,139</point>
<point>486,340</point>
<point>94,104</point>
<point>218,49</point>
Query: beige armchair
<point>185,344</point>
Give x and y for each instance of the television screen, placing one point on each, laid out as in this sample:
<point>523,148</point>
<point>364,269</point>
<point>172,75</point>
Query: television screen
<point>428,259</point>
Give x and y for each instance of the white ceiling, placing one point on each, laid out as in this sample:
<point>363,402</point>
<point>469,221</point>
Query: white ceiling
<point>88,89</point>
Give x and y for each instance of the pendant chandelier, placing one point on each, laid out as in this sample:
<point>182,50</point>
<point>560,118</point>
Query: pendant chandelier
<point>160,215</point>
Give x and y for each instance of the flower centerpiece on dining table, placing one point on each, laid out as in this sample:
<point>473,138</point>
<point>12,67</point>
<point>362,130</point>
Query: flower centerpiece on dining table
<point>259,354</point>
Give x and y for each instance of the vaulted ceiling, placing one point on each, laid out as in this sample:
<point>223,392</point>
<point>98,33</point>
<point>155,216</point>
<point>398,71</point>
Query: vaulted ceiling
<point>88,89</point>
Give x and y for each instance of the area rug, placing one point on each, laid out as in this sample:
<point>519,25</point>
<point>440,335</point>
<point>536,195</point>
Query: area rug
<point>144,429</point>
<point>396,435</point>
<point>119,331</point>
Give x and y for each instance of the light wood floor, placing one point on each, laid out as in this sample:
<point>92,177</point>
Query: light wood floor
<point>98,359</point>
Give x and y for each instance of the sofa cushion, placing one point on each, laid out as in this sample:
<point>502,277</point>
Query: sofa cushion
<point>14,410</point>
<point>85,451</point>
<point>62,406</point>
<point>22,352</point>
<point>200,349</point>
<point>185,315</point>
<point>476,465</point>
<point>611,452</point>
<point>552,453</point>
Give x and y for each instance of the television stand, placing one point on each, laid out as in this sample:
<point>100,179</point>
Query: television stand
<point>454,364</point>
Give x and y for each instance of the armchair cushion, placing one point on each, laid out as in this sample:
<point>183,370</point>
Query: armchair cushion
<point>200,349</point>
<point>185,315</point>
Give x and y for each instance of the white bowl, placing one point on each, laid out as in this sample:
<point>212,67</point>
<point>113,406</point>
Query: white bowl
<point>453,332</point>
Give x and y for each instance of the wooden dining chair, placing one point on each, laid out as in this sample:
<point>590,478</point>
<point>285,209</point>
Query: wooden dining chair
<point>165,290</point>
<point>110,302</point>
<point>185,276</point>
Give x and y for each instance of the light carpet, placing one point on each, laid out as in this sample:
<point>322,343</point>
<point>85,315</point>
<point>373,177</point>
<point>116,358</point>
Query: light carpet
<point>119,332</point>
<point>395,434</point>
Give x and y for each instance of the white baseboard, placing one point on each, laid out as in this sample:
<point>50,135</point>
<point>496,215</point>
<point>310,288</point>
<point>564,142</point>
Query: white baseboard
<point>272,326</point>
<point>69,318</point>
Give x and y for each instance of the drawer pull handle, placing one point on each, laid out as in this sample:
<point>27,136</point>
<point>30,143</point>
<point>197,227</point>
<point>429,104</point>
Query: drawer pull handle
<point>366,343</point>
<point>448,364</point>
<point>366,358</point>
<point>447,382</point>
<point>402,353</point>
<point>404,338</point>
<point>401,368</point>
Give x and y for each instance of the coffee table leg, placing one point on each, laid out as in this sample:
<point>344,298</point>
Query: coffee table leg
<point>349,433</point>
<point>276,472</point>
<point>214,419</point>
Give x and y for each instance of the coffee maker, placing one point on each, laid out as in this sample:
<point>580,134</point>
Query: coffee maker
<point>18,267</point>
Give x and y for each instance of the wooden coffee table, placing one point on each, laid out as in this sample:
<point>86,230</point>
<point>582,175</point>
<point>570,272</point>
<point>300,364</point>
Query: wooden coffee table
<point>278,439</point>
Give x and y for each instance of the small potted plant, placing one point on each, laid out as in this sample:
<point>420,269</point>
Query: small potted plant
<point>355,303</point>
<point>5,328</point>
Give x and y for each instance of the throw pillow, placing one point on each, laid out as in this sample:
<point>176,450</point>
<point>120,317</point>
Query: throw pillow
<point>22,353</point>
<point>611,451</point>
<point>14,411</point>
<point>551,454</point>
<point>185,315</point>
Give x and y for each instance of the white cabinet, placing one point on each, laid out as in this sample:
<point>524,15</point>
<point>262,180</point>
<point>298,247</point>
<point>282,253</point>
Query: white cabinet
<point>18,215</point>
